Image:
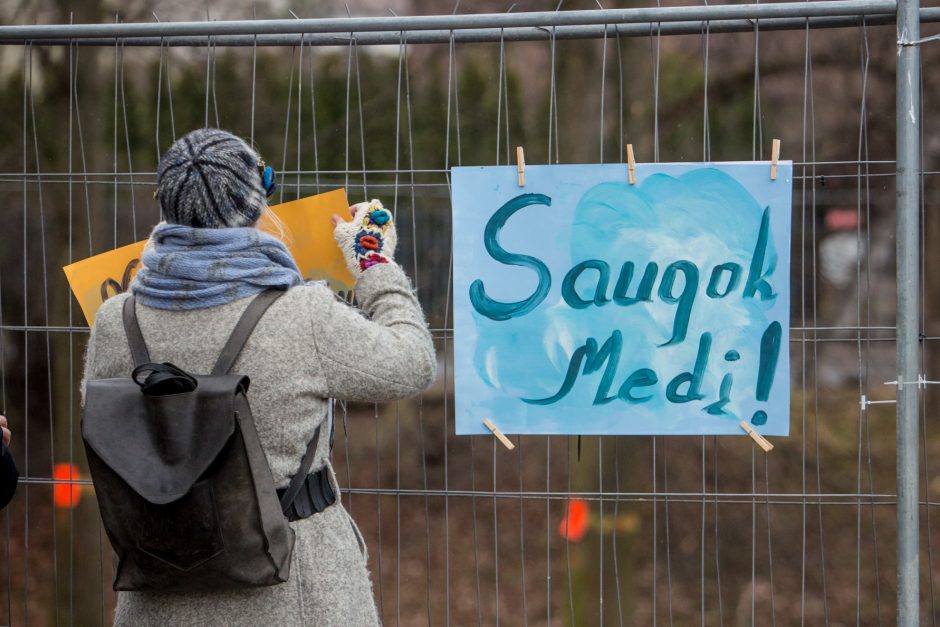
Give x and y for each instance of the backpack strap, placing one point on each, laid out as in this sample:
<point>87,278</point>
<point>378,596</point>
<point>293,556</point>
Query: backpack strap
<point>246,324</point>
<point>135,338</point>
<point>297,481</point>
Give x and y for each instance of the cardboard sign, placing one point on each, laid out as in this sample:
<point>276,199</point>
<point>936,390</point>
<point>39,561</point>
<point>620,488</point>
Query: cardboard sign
<point>309,237</point>
<point>308,234</point>
<point>96,279</point>
<point>586,305</point>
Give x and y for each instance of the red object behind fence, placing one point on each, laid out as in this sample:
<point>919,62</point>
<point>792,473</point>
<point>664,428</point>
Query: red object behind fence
<point>575,524</point>
<point>66,494</point>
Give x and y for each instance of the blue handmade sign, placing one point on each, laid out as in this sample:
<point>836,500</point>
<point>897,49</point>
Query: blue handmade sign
<point>586,305</point>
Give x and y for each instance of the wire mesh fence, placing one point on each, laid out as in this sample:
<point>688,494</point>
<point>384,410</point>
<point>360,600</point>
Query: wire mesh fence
<point>562,530</point>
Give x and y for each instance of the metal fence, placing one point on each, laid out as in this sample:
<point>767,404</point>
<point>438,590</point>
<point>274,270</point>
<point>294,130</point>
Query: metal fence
<point>677,531</point>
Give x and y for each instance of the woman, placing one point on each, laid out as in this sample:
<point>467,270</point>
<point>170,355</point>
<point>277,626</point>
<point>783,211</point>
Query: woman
<point>204,265</point>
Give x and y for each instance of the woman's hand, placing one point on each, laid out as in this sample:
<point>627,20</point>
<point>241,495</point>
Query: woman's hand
<point>368,239</point>
<point>6,432</point>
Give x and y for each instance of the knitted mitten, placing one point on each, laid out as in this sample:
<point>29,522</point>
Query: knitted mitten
<point>368,239</point>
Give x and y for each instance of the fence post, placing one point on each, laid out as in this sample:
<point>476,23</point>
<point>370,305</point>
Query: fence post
<point>907,112</point>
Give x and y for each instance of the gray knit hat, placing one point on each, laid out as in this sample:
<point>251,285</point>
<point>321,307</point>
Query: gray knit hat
<point>210,179</point>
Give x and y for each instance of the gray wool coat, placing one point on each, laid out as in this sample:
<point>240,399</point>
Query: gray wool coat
<point>307,348</point>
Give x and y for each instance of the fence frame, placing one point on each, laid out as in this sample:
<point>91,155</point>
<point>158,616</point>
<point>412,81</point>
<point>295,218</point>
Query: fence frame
<point>585,24</point>
<point>907,207</point>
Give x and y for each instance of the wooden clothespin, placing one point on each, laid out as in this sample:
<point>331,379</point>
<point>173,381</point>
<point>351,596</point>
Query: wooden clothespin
<point>520,165</point>
<point>631,164</point>
<point>761,441</point>
<point>499,434</point>
<point>774,157</point>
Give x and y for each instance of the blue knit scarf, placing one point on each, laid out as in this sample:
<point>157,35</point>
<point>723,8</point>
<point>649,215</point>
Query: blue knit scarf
<point>190,268</point>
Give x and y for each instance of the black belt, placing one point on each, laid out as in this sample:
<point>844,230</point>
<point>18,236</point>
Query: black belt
<point>316,494</point>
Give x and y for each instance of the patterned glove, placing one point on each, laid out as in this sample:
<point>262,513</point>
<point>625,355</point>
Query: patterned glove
<point>368,239</point>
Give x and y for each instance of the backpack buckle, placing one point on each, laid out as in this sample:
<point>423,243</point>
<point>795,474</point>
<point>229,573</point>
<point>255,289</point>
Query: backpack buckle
<point>315,495</point>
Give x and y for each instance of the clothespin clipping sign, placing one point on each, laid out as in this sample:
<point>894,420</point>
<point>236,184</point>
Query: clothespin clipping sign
<point>774,158</point>
<point>499,434</point>
<point>761,440</point>
<point>520,165</point>
<point>631,165</point>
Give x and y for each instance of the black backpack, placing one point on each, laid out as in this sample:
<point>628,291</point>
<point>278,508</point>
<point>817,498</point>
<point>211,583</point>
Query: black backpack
<point>185,491</point>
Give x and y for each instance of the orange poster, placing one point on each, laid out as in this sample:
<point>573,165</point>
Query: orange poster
<point>98,278</point>
<point>309,237</point>
<point>307,232</point>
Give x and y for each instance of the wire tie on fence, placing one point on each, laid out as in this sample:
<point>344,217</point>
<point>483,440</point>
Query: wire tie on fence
<point>499,434</point>
<point>761,440</point>
<point>631,164</point>
<point>906,44</point>
<point>864,402</point>
<point>520,165</point>
<point>922,382</point>
<point>774,157</point>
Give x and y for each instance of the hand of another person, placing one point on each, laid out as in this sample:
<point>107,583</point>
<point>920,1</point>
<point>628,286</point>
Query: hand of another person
<point>8,472</point>
<point>368,239</point>
<point>6,432</point>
